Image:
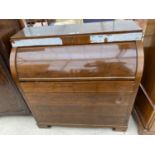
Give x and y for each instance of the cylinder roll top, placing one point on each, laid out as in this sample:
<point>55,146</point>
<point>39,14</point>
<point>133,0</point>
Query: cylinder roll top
<point>73,62</point>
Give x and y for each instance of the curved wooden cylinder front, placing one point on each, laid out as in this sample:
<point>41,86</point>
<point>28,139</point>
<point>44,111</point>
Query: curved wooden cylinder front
<point>92,85</point>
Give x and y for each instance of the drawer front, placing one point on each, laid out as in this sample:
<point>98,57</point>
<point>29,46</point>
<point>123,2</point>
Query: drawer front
<point>80,108</point>
<point>93,99</point>
<point>90,102</point>
<point>102,61</point>
<point>91,86</point>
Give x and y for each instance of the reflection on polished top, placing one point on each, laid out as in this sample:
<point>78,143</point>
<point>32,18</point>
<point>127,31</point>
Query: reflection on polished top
<point>115,26</point>
<point>81,61</point>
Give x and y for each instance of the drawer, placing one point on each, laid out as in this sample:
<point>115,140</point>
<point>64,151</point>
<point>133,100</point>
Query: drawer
<point>100,108</point>
<point>80,99</point>
<point>87,86</point>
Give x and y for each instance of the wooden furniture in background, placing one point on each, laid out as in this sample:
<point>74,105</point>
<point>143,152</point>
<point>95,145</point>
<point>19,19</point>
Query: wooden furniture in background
<point>8,27</point>
<point>144,110</point>
<point>11,100</point>
<point>83,75</point>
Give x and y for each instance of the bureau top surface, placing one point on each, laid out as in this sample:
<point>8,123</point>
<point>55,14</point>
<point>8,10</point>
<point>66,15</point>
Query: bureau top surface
<point>116,26</point>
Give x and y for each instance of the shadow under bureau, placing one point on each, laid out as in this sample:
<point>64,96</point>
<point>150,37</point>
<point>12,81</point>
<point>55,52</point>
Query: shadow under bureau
<point>83,75</point>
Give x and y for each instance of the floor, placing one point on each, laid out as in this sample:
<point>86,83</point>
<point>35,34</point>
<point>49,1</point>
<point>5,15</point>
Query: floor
<point>26,125</point>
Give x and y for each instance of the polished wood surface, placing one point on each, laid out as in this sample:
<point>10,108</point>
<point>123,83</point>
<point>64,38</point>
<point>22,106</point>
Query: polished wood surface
<point>91,109</point>
<point>145,100</point>
<point>82,85</point>
<point>72,62</point>
<point>77,87</point>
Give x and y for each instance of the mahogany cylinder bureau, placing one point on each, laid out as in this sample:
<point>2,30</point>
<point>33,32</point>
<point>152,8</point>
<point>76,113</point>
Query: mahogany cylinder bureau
<point>83,75</point>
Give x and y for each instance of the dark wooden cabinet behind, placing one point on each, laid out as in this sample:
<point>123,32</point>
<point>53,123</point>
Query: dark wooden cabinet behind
<point>83,75</point>
<point>11,100</point>
<point>8,27</point>
<point>144,110</point>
